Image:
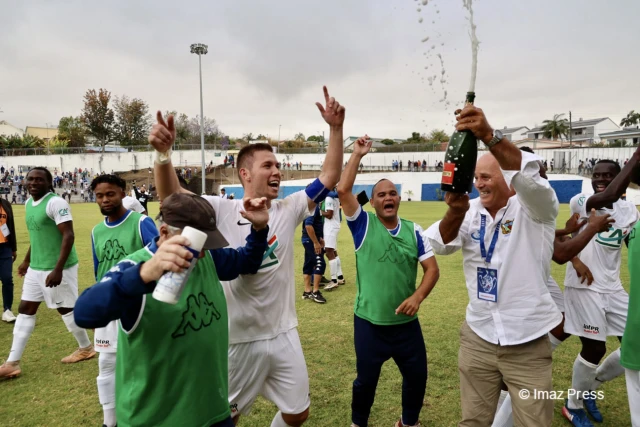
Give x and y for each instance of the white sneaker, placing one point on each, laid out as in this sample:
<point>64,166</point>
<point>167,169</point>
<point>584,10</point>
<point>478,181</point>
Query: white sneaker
<point>8,316</point>
<point>330,285</point>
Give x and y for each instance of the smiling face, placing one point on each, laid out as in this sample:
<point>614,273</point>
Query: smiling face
<point>38,183</point>
<point>109,198</point>
<point>261,175</point>
<point>385,200</point>
<point>490,183</point>
<point>603,174</point>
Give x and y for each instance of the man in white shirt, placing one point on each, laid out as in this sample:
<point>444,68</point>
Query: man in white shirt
<point>223,194</point>
<point>507,243</point>
<point>599,310</point>
<point>332,218</point>
<point>265,354</point>
<point>133,204</point>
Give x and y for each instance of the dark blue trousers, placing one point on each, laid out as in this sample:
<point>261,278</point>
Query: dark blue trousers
<point>6,276</point>
<point>375,344</point>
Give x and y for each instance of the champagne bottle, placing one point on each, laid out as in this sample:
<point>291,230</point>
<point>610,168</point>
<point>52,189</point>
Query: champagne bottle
<point>460,159</point>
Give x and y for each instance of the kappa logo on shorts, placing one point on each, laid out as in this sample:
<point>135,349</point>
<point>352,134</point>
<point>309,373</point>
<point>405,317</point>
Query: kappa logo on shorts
<point>234,408</point>
<point>270,258</point>
<point>199,313</point>
<point>594,330</point>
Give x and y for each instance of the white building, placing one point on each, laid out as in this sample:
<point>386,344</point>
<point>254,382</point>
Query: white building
<point>630,134</point>
<point>7,129</point>
<point>515,133</point>
<point>582,131</point>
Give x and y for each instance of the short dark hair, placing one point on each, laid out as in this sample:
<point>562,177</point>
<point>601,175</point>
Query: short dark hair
<point>245,155</point>
<point>373,189</point>
<point>46,173</point>
<point>527,149</point>
<point>616,166</point>
<point>109,179</point>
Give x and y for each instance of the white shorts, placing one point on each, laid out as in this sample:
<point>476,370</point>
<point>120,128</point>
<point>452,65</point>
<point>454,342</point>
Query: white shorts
<point>595,315</point>
<point>62,296</point>
<point>556,293</point>
<point>331,237</point>
<point>106,339</point>
<point>633,392</point>
<point>274,368</point>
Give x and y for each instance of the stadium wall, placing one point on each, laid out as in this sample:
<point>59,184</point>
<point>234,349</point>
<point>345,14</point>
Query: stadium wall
<point>126,161</point>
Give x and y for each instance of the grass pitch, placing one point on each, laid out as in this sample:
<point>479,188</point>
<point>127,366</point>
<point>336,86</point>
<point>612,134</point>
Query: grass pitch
<point>52,394</point>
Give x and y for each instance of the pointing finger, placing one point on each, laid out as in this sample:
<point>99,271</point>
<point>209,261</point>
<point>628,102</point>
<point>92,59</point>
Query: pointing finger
<point>326,94</point>
<point>160,119</point>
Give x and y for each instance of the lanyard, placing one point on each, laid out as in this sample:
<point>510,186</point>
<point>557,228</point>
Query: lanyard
<point>487,255</point>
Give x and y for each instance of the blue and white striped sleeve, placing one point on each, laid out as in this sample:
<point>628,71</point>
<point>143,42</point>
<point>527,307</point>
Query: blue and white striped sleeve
<point>424,247</point>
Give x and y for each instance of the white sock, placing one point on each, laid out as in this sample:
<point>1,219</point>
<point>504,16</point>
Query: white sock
<point>504,414</point>
<point>503,396</point>
<point>609,369</point>
<point>584,373</point>
<point>333,268</point>
<point>79,333</point>
<point>278,421</point>
<point>555,342</point>
<point>339,266</point>
<point>107,387</point>
<point>22,330</point>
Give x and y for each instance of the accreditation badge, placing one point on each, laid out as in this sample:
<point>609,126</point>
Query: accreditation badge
<point>487,284</point>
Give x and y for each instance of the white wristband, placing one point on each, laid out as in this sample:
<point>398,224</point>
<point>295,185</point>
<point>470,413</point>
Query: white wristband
<point>163,158</point>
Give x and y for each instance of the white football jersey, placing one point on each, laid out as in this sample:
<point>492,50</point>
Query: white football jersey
<point>333,204</point>
<point>261,306</point>
<point>602,255</point>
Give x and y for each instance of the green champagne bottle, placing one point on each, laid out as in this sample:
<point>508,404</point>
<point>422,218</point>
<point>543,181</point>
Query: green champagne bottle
<point>460,159</point>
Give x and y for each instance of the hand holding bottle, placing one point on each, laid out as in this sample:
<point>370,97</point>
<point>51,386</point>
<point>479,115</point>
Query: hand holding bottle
<point>473,119</point>
<point>457,202</point>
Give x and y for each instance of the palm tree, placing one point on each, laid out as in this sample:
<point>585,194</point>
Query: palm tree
<point>299,137</point>
<point>248,137</point>
<point>556,127</point>
<point>632,119</point>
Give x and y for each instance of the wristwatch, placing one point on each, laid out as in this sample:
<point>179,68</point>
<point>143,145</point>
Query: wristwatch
<point>497,137</point>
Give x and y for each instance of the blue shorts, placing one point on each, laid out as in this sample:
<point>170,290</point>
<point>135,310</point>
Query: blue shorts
<point>313,264</point>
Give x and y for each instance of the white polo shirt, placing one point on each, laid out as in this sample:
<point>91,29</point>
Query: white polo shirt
<point>524,309</point>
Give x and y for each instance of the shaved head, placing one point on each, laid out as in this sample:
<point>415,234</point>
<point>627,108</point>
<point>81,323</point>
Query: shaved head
<point>488,162</point>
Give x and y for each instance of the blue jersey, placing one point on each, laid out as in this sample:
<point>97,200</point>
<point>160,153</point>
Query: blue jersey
<point>315,221</point>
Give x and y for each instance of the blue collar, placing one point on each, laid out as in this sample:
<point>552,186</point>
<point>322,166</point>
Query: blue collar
<point>118,221</point>
<point>153,246</point>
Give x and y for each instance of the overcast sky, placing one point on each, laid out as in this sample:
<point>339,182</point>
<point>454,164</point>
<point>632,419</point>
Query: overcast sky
<point>268,60</point>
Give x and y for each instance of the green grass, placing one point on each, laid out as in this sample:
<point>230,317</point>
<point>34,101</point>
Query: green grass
<point>52,394</point>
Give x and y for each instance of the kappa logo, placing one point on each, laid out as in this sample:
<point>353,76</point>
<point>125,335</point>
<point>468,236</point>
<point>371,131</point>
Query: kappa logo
<point>32,224</point>
<point>112,251</point>
<point>199,313</point>
<point>594,330</point>
<point>234,408</point>
<point>506,227</point>
<point>392,255</point>
<point>270,258</point>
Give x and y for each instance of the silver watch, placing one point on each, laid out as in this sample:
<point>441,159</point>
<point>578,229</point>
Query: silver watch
<point>497,137</point>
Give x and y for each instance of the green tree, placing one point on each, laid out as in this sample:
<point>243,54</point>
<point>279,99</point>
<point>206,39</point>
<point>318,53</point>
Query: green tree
<point>73,130</point>
<point>98,117</point>
<point>556,127</point>
<point>416,138</point>
<point>248,137</point>
<point>388,141</point>
<point>438,135</point>
<point>632,119</point>
<point>299,137</point>
<point>261,137</point>
<point>313,138</point>
<point>133,121</point>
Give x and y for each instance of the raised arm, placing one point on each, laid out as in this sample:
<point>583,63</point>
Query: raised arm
<point>565,250</point>
<point>617,187</point>
<point>348,200</point>
<point>162,137</point>
<point>450,225</point>
<point>333,113</point>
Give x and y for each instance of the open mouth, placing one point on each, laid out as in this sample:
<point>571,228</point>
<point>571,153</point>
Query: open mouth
<point>600,187</point>
<point>274,184</point>
<point>388,207</point>
<point>484,193</point>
